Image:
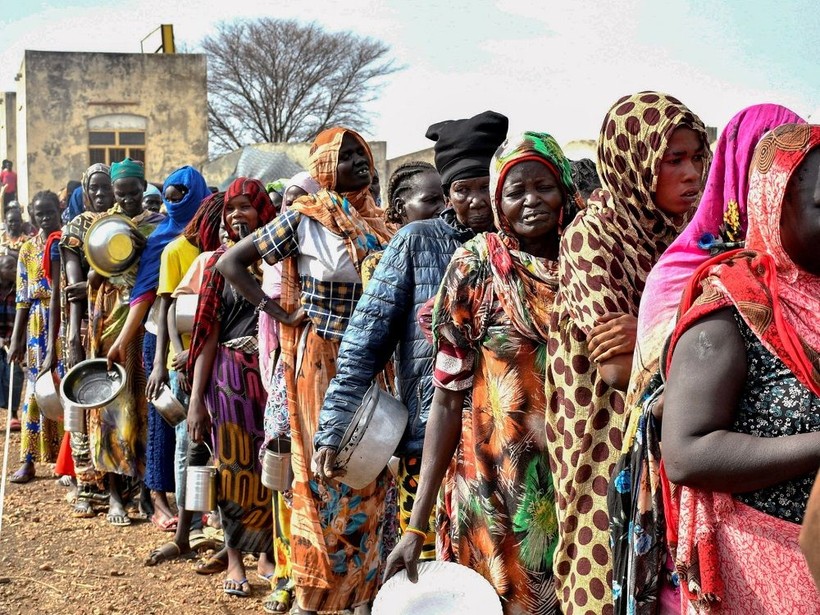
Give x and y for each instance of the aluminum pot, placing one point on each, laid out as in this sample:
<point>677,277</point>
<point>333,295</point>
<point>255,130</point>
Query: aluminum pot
<point>200,488</point>
<point>74,419</point>
<point>47,396</point>
<point>169,407</point>
<point>277,473</point>
<point>372,437</point>
<point>109,247</point>
<point>184,312</point>
<point>89,385</point>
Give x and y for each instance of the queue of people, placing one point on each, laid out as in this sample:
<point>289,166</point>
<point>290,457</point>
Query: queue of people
<point>611,377</point>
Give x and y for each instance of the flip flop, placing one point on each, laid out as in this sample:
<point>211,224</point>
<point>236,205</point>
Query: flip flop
<point>283,597</point>
<point>118,520</point>
<point>236,588</point>
<point>167,552</point>
<point>200,542</point>
<point>264,577</point>
<point>210,565</point>
<point>168,525</point>
<point>20,477</point>
<point>82,509</point>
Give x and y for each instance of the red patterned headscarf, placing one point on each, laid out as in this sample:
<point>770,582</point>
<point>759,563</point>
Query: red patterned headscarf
<point>255,191</point>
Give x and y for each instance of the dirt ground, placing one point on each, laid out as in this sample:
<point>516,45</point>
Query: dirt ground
<point>51,563</point>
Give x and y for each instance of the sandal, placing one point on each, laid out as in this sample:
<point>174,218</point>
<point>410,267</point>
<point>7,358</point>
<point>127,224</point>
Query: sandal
<point>168,525</point>
<point>278,601</point>
<point>200,542</point>
<point>211,565</point>
<point>167,552</point>
<point>118,520</point>
<point>82,509</point>
<point>240,589</point>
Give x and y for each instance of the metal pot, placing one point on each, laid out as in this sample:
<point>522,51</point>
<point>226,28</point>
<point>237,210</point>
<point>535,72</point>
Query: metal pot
<point>184,312</point>
<point>89,385</point>
<point>169,407</point>
<point>74,419</point>
<point>47,397</point>
<point>109,246</point>
<point>277,473</point>
<point>372,437</point>
<point>200,488</point>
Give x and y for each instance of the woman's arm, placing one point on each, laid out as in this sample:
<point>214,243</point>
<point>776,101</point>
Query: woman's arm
<point>198,419</point>
<point>54,318</point>
<point>159,372</point>
<point>17,348</point>
<point>133,323</point>
<point>440,442</point>
<point>77,306</point>
<point>611,344</point>
<point>703,390</point>
<point>234,266</point>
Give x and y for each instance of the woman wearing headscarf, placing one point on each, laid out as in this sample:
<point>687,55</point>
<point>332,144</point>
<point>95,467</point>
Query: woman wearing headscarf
<point>490,325</point>
<point>322,240</point>
<point>227,398</point>
<point>183,191</point>
<point>97,191</point>
<point>741,428</point>
<point>300,184</point>
<point>117,441</point>
<point>635,494</point>
<point>652,158</point>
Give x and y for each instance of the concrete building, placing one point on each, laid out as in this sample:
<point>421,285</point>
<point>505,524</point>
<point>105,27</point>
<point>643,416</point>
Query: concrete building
<point>75,109</point>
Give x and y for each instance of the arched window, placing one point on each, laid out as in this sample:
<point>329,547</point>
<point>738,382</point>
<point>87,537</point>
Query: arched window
<point>116,136</point>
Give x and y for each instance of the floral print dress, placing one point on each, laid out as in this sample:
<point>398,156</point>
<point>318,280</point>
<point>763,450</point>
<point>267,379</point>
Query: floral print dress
<point>497,511</point>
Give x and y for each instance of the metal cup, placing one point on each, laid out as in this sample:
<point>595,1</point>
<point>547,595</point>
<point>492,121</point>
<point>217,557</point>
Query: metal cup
<point>277,473</point>
<point>200,488</point>
<point>74,419</point>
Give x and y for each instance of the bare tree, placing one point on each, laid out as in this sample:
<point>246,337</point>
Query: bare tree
<point>274,80</point>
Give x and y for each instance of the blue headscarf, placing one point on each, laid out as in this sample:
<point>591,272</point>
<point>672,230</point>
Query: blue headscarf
<point>179,215</point>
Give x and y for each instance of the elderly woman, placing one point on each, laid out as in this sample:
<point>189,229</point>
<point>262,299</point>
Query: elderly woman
<point>652,159</point>
<point>490,327</point>
<point>741,427</point>
<point>322,240</point>
<point>636,510</point>
<point>227,398</point>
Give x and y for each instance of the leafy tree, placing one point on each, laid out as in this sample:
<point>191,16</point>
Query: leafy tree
<point>275,80</point>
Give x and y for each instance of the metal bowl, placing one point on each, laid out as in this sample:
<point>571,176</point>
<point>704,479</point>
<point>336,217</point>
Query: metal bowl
<point>169,407</point>
<point>184,312</point>
<point>47,396</point>
<point>89,384</point>
<point>109,247</point>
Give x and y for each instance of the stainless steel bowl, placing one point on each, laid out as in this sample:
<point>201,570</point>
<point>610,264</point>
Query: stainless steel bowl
<point>169,407</point>
<point>47,396</point>
<point>90,384</point>
<point>184,312</point>
<point>109,247</point>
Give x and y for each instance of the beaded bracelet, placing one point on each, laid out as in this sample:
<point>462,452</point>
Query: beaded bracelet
<point>416,531</point>
<point>261,306</point>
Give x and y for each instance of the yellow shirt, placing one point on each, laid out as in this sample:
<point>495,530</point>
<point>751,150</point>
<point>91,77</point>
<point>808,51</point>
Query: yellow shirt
<point>176,258</point>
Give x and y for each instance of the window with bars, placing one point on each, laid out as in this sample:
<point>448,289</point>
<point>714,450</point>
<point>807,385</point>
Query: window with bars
<point>109,146</point>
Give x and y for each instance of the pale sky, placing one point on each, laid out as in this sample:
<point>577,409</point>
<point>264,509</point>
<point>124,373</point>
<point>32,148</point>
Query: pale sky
<point>549,66</point>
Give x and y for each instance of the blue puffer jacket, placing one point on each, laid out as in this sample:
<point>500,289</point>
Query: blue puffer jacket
<point>408,274</point>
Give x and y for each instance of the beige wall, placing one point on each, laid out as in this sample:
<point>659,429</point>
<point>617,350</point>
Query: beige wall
<point>8,126</point>
<point>61,92</point>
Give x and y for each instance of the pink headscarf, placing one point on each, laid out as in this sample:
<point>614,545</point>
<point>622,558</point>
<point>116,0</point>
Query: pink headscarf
<point>724,197</point>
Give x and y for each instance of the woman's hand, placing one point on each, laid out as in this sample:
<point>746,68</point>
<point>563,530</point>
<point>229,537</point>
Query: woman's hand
<point>179,361</point>
<point>613,334</point>
<point>116,354</point>
<point>138,240</point>
<point>158,377</point>
<point>49,361</point>
<point>199,423</point>
<point>76,352</point>
<point>404,555</point>
<point>323,461</point>
<point>17,351</point>
<point>77,292</point>
<point>295,318</point>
